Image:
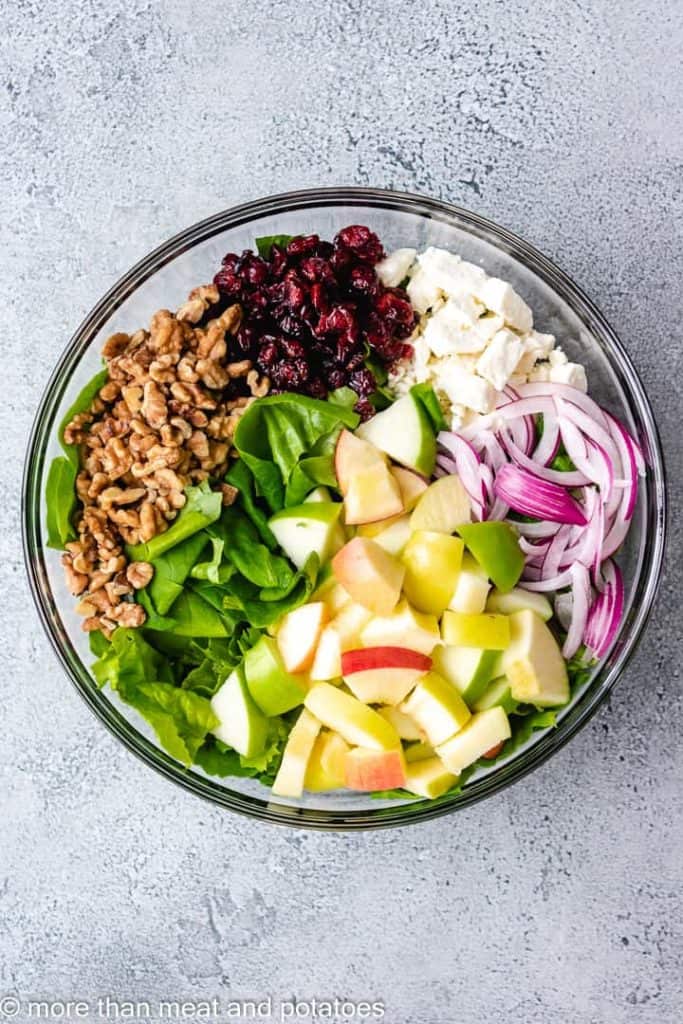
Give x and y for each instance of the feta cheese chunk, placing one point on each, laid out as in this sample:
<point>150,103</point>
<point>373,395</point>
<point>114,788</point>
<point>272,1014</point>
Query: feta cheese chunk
<point>497,363</point>
<point>453,328</point>
<point>453,275</point>
<point>557,357</point>
<point>464,388</point>
<point>394,267</point>
<point>536,346</point>
<point>569,373</point>
<point>501,298</point>
<point>422,291</point>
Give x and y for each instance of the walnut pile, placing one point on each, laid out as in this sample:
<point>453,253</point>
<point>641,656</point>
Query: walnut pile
<point>164,419</point>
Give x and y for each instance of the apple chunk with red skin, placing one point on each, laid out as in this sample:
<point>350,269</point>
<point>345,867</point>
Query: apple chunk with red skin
<point>371,575</point>
<point>298,635</point>
<point>370,491</point>
<point>383,675</point>
<point>373,770</point>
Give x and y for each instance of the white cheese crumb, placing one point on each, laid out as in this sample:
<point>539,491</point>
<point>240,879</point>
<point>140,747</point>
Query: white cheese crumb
<point>464,388</point>
<point>500,358</point>
<point>569,373</point>
<point>501,297</point>
<point>395,267</point>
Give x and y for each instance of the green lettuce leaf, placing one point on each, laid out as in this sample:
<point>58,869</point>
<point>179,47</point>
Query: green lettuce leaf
<point>426,396</point>
<point>171,569</point>
<point>203,507</point>
<point>241,477</point>
<point>266,242</point>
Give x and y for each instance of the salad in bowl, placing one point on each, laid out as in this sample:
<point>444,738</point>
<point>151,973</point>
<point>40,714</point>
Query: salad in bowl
<point>345,520</point>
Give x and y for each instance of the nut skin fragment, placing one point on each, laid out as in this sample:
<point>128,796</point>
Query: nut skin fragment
<point>164,419</point>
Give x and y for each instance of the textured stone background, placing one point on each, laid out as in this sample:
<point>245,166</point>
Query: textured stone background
<point>123,121</point>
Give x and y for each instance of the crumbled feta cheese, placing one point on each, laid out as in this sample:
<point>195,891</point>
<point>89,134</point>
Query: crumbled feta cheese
<point>540,374</point>
<point>422,291</point>
<point>464,388</point>
<point>569,373</point>
<point>394,267</point>
<point>501,297</point>
<point>536,346</point>
<point>557,357</point>
<point>500,358</point>
<point>453,275</point>
<point>453,328</point>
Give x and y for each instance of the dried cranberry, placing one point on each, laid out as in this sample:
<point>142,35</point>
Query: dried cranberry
<point>290,324</point>
<point>355,360</point>
<point>278,260</point>
<point>340,318</point>
<point>230,262</point>
<point>227,283</point>
<point>319,298</point>
<point>268,353</point>
<point>337,378</point>
<point>392,306</point>
<point>317,388</point>
<point>292,349</point>
<point>313,268</point>
<point>253,270</point>
<point>291,374</point>
<point>365,409</point>
<point>302,244</point>
<point>363,242</point>
<point>362,382</point>
<point>363,279</point>
<point>295,292</point>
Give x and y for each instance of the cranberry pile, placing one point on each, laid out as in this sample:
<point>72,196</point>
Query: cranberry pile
<point>314,311</point>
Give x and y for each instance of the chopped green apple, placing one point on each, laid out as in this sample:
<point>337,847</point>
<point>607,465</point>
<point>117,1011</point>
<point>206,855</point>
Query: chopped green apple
<point>298,635</point>
<point>355,722</point>
<point>404,726</point>
<point>243,726</point>
<point>469,669</point>
<point>496,547</point>
<point>289,780</point>
<point>392,535</point>
<point>370,491</point>
<point>370,574</point>
<point>497,695</point>
<point>383,675</point>
<point>488,630</point>
<point>318,495</point>
<point>418,752</point>
<point>437,707</point>
<point>533,662</point>
<point>432,561</point>
<point>404,628</point>
<point>370,770</point>
<point>272,687</point>
<point>518,600</point>
<point>405,433</point>
<point>326,766</point>
<point>428,778</point>
<point>308,528</point>
<point>442,507</point>
<point>483,732</point>
<point>471,589</point>
<point>411,485</point>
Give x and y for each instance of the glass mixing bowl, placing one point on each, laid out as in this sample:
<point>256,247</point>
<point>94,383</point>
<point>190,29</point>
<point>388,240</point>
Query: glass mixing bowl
<point>163,280</point>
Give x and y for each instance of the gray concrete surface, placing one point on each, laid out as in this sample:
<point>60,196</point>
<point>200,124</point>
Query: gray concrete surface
<point>560,900</point>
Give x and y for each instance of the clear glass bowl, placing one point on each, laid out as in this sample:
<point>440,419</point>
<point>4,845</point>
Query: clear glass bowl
<point>164,278</point>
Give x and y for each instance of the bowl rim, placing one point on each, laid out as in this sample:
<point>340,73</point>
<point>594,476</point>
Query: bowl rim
<point>633,392</point>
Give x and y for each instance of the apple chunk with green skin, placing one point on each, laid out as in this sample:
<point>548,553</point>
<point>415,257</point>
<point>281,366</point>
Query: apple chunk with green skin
<point>308,528</point>
<point>289,780</point>
<point>442,507</point>
<point>326,767</point>
<point>405,628</point>
<point>496,547</point>
<point>371,771</point>
<point>392,535</point>
<point>534,664</point>
<point>370,491</point>
<point>437,707</point>
<point>371,576</point>
<point>355,722</point>
<point>243,726</point>
<point>271,686</point>
<point>518,600</point>
<point>489,631</point>
<point>418,752</point>
<point>404,726</point>
<point>468,669</point>
<point>471,588</point>
<point>483,732</point>
<point>298,635</point>
<point>405,433</point>
<point>497,695</point>
<point>383,675</point>
<point>432,561</point>
<point>428,778</point>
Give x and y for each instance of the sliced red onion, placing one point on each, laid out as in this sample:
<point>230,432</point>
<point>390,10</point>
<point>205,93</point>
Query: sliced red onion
<point>547,447</point>
<point>531,496</point>
<point>555,476</point>
<point>588,456</point>
<point>554,583</point>
<point>537,529</point>
<point>591,427</point>
<point>627,450</point>
<point>581,599</point>
<point>605,614</point>
<point>468,465</point>
<point>562,606</point>
<point>553,561</point>
<point>566,391</point>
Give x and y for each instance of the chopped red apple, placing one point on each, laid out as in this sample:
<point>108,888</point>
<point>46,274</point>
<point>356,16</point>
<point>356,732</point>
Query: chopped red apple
<point>383,675</point>
<point>298,635</point>
<point>350,622</point>
<point>370,491</point>
<point>411,485</point>
<point>371,576</point>
<point>354,721</point>
<point>373,770</point>
<point>327,661</point>
<point>405,627</point>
